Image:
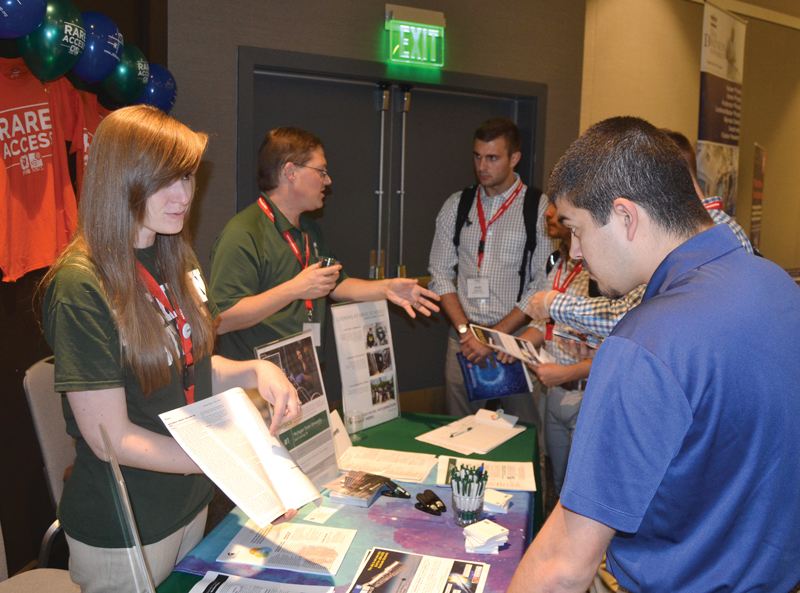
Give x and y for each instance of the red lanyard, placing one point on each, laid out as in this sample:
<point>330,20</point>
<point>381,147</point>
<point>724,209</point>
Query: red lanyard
<point>714,205</point>
<point>290,240</point>
<point>482,218</point>
<point>562,288</point>
<point>184,329</point>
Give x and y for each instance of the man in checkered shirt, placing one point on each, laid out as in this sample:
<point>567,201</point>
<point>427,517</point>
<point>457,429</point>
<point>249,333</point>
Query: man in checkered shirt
<point>484,290</point>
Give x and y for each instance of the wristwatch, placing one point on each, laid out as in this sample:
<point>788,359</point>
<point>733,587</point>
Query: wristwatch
<point>462,328</point>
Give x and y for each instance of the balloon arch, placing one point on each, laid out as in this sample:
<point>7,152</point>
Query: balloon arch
<point>54,39</point>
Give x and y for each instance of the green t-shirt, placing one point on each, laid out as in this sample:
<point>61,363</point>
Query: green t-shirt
<point>251,256</point>
<point>80,329</point>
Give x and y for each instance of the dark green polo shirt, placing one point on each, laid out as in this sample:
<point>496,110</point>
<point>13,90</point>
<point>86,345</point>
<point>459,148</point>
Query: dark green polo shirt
<point>251,256</point>
<point>80,329</point>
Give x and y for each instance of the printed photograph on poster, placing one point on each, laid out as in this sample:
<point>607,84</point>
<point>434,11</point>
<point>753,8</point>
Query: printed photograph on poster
<point>308,438</point>
<point>718,172</point>
<point>722,53</point>
<point>382,390</point>
<point>366,360</point>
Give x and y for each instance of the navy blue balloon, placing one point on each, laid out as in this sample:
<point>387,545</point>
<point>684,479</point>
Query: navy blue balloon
<point>160,91</point>
<point>20,17</point>
<point>103,47</point>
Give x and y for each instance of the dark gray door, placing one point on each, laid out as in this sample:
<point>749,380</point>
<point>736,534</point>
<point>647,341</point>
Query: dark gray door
<point>345,112</point>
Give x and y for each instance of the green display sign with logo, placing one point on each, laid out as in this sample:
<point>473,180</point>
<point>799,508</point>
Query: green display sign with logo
<point>416,44</point>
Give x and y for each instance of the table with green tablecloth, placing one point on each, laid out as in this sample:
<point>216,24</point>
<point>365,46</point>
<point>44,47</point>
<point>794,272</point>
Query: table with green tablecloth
<point>398,434</point>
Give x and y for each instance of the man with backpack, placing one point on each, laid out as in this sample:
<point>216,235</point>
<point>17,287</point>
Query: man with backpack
<point>488,259</point>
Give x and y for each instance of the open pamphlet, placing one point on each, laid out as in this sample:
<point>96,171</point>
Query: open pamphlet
<point>503,475</point>
<point>391,570</point>
<point>226,436</point>
<point>226,583</point>
<point>290,546</point>
<point>481,433</point>
<point>516,347</point>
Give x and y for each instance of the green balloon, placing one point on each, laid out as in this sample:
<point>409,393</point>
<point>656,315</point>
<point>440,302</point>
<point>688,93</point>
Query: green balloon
<point>130,77</point>
<point>56,45</point>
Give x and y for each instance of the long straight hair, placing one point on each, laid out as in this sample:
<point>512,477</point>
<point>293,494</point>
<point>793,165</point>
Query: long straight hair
<point>137,151</point>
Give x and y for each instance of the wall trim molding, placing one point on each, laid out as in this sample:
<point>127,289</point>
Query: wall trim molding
<point>756,12</point>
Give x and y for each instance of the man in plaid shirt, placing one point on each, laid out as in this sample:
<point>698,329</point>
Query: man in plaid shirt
<point>598,316</point>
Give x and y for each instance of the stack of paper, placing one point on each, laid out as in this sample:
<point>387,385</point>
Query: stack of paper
<point>503,475</point>
<point>480,433</point>
<point>395,465</point>
<point>485,537</point>
<point>496,502</point>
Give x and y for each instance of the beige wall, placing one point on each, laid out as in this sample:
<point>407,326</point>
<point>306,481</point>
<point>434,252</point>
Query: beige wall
<point>531,40</point>
<point>642,58</point>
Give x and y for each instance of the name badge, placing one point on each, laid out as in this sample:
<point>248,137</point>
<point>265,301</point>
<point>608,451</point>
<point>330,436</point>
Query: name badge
<point>315,333</point>
<point>478,288</point>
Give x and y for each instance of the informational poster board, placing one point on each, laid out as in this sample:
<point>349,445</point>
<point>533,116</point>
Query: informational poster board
<point>366,361</point>
<point>721,70</point>
<point>308,437</point>
<point>759,167</point>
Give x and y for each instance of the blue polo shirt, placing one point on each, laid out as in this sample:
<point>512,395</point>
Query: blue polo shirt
<point>688,440</point>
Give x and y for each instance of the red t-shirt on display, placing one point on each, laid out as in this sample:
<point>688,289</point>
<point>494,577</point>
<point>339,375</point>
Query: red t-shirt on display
<point>91,114</point>
<point>38,208</point>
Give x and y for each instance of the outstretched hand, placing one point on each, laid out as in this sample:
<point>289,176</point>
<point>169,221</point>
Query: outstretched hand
<point>407,293</point>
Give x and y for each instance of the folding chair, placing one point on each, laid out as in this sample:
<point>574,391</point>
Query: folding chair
<point>58,448</point>
<point>34,581</point>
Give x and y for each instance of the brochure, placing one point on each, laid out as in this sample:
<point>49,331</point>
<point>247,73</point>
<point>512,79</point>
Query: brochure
<point>225,583</point>
<point>356,488</point>
<point>481,433</point>
<point>396,465</point>
<point>392,571</point>
<point>366,360</point>
<point>226,436</point>
<point>308,438</point>
<point>516,347</point>
<point>290,546</point>
<point>503,475</point>
<point>494,381</point>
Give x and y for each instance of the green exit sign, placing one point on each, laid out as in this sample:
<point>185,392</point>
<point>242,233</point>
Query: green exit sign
<point>417,44</point>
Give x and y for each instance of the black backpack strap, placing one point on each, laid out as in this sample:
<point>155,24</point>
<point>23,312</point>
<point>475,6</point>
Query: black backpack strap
<point>530,212</point>
<point>462,214</point>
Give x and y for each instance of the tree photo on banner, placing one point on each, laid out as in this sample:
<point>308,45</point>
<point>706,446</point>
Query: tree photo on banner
<point>55,46</point>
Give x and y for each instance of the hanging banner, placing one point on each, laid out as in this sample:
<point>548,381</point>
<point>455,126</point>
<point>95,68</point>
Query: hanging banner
<point>759,165</point>
<point>721,66</point>
<point>366,360</point>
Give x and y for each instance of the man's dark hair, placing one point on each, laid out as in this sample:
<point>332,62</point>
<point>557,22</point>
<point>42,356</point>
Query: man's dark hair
<point>627,157</point>
<point>495,127</point>
<point>682,142</point>
<point>281,146</point>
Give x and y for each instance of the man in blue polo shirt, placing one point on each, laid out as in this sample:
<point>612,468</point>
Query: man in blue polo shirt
<point>685,465</point>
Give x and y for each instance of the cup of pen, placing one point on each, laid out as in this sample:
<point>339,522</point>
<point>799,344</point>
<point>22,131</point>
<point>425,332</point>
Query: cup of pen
<point>468,485</point>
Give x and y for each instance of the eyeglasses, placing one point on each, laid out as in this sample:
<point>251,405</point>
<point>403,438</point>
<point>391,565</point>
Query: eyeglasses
<point>323,172</point>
